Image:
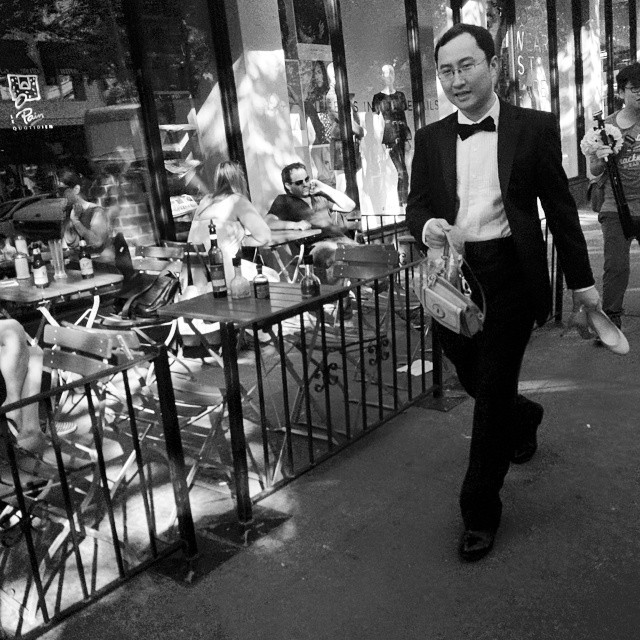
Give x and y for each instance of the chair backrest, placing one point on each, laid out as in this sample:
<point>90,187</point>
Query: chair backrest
<point>363,262</point>
<point>121,338</point>
<point>154,259</point>
<point>81,352</point>
<point>187,247</point>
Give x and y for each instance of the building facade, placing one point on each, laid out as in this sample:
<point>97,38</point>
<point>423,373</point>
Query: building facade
<point>144,97</point>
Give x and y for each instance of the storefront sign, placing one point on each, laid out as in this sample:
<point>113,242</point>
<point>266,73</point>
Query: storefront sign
<point>24,88</point>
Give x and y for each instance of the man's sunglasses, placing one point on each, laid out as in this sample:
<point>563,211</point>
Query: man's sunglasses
<point>299,183</point>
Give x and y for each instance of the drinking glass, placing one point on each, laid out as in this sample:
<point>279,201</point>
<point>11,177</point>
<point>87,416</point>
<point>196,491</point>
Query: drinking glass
<point>57,259</point>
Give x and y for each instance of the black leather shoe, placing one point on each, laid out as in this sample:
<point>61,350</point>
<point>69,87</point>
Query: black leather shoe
<point>526,449</point>
<point>475,545</point>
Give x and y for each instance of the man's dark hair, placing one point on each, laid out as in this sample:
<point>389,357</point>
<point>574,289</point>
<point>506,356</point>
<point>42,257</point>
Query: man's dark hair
<point>629,75</point>
<point>288,170</point>
<point>479,34</point>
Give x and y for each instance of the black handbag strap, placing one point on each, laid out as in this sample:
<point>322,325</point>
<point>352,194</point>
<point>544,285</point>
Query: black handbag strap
<point>125,313</point>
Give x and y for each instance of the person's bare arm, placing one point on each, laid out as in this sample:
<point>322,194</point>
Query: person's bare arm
<point>98,231</point>
<point>276,224</point>
<point>342,202</point>
<point>254,223</point>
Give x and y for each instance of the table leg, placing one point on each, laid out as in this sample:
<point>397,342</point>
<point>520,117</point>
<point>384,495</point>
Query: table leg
<point>236,423</point>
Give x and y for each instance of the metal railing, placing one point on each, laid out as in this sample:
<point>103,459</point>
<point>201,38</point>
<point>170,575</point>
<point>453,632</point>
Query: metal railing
<point>337,371</point>
<point>90,513</point>
<point>329,374</point>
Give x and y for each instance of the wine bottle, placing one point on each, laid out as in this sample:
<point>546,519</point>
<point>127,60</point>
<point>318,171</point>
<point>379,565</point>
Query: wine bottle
<point>216,265</point>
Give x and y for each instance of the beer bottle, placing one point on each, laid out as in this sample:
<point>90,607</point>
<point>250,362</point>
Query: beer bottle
<point>216,265</point>
<point>86,265</point>
<point>39,268</point>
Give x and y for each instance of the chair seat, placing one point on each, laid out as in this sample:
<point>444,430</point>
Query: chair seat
<point>199,387</point>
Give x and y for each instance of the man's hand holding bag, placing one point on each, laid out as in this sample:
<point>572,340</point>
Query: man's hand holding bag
<point>445,294</point>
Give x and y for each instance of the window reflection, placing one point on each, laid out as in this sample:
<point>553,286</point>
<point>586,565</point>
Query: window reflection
<point>69,103</point>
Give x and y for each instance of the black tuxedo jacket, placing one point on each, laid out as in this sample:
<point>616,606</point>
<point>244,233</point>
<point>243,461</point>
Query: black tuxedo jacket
<point>529,167</point>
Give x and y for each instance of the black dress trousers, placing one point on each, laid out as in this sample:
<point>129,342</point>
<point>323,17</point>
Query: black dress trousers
<point>488,367</point>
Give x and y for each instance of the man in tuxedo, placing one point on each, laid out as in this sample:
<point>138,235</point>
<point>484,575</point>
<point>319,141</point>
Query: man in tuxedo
<point>479,173</point>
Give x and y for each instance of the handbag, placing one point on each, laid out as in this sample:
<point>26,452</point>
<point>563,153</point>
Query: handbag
<point>445,294</point>
<point>146,302</point>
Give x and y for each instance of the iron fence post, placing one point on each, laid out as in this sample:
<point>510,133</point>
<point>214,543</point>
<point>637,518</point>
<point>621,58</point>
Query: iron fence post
<point>175,452</point>
<point>436,352</point>
<point>228,334</point>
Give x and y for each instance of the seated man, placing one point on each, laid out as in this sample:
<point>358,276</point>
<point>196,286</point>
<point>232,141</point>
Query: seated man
<point>308,204</point>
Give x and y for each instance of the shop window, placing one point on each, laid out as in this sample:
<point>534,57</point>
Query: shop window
<point>311,88</point>
<point>375,38</point>
<point>435,17</point>
<point>69,102</point>
<point>181,69</point>
<point>622,55</point>
<point>567,82</point>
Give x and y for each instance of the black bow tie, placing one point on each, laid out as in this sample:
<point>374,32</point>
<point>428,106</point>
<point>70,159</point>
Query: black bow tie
<point>466,130</point>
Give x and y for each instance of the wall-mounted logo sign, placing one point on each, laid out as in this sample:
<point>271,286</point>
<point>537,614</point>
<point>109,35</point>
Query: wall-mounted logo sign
<point>23,89</point>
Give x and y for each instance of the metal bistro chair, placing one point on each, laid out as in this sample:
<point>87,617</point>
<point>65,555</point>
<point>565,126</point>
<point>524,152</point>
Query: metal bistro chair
<point>74,484</point>
<point>357,328</point>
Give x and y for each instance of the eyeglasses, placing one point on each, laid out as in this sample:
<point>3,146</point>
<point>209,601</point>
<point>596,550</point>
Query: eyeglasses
<point>299,183</point>
<point>465,70</point>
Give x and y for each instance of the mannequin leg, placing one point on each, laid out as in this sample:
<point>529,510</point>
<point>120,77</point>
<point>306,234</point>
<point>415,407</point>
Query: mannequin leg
<point>396,153</point>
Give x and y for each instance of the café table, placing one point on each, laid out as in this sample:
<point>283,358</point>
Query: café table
<point>281,237</point>
<point>233,316</point>
<point>16,297</point>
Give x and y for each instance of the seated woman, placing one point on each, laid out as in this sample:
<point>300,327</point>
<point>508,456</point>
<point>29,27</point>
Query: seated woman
<point>86,221</point>
<point>21,369</point>
<point>237,221</point>
<point>21,376</point>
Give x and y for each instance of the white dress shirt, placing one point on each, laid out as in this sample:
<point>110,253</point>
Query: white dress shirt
<point>481,214</point>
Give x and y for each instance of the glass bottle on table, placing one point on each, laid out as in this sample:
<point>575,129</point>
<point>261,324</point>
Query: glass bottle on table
<point>39,268</point>
<point>216,265</point>
<point>21,264</point>
<point>86,264</point>
<point>310,283</point>
<point>21,245</point>
<point>239,287</point>
<point>261,284</point>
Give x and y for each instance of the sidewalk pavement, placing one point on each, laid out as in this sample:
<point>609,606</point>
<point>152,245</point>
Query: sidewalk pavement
<point>369,550</point>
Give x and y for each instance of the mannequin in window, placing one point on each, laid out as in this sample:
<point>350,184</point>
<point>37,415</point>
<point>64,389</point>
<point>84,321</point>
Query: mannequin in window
<point>335,139</point>
<point>317,111</point>
<point>391,105</point>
